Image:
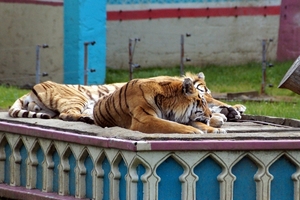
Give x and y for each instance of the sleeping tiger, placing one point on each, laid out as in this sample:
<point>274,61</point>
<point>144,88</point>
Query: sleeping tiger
<point>49,99</point>
<point>69,102</point>
<point>156,105</point>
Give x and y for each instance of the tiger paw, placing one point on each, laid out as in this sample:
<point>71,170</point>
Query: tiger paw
<point>87,120</point>
<point>217,120</point>
<point>231,113</point>
<point>240,108</point>
<point>219,131</point>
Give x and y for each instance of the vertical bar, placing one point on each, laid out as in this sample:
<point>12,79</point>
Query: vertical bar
<point>181,55</point>
<point>130,58</point>
<point>263,83</point>
<point>37,66</point>
<point>85,62</point>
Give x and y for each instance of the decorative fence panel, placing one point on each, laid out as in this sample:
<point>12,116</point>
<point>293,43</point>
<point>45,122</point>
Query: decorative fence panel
<point>44,163</point>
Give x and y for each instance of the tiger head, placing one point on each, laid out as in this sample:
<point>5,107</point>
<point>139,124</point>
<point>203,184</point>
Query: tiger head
<point>232,113</point>
<point>192,105</point>
<point>199,83</point>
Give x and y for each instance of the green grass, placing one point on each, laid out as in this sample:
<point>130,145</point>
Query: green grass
<point>220,79</point>
<point>8,95</point>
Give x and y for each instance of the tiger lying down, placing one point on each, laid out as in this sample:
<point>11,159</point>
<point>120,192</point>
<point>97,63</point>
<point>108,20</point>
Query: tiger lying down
<point>76,102</point>
<point>160,105</point>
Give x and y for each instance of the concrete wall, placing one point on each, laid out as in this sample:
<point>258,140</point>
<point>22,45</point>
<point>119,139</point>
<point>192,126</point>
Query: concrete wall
<point>223,33</point>
<point>23,26</point>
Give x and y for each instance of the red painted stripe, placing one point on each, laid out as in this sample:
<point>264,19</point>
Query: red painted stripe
<point>34,2</point>
<point>192,12</point>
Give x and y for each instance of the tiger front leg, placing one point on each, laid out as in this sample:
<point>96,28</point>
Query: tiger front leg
<point>151,124</point>
<point>205,128</point>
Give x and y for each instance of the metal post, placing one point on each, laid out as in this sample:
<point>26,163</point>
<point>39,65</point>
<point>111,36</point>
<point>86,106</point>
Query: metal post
<point>131,52</point>
<point>264,66</point>
<point>37,63</point>
<point>130,58</point>
<point>181,55</point>
<point>86,60</point>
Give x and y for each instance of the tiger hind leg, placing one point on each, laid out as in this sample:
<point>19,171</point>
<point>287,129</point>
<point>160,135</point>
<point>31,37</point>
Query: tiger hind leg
<point>74,116</point>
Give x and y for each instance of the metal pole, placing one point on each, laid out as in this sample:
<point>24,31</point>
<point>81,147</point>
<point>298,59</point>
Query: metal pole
<point>85,61</point>
<point>263,82</point>
<point>130,58</point>
<point>37,65</point>
<point>181,55</point>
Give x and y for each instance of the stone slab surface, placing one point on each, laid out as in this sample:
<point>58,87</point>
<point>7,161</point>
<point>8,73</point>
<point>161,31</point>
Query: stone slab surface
<point>251,127</point>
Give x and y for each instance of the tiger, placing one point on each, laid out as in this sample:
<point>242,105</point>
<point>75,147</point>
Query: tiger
<point>156,105</point>
<point>69,102</point>
<point>43,101</point>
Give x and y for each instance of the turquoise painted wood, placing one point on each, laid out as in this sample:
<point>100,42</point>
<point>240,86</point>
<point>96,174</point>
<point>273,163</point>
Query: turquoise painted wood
<point>207,186</point>
<point>244,171</point>
<point>23,165</point>
<point>282,186</point>
<point>169,186</point>
<point>7,150</point>
<point>106,168</point>
<point>72,180</point>
<point>39,168</point>
<point>84,22</point>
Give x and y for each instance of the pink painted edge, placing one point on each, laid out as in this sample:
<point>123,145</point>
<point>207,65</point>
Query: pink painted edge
<point>228,145</point>
<point>152,145</point>
<point>52,134</point>
<point>29,194</point>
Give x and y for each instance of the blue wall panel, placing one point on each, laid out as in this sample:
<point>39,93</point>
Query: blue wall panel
<point>169,186</point>
<point>56,160</point>
<point>23,166</point>
<point>123,170</point>
<point>88,163</point>
<point>207,172</point>
<point>140,186</point>
<point>106,169</point>
<point>282,186</point>
<point>72,177</point>
<point>7,150</point>
<point>39,170</point>
<point>244,186</point>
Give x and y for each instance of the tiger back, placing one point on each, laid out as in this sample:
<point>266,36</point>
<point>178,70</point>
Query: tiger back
<point>155,105</point>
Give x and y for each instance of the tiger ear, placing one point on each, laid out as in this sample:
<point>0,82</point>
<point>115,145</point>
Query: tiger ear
<point>201,75</point>
<point>188,86</point>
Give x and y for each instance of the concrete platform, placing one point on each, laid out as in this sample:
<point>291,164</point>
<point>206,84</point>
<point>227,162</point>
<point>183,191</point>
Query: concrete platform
<point>250,127</point>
